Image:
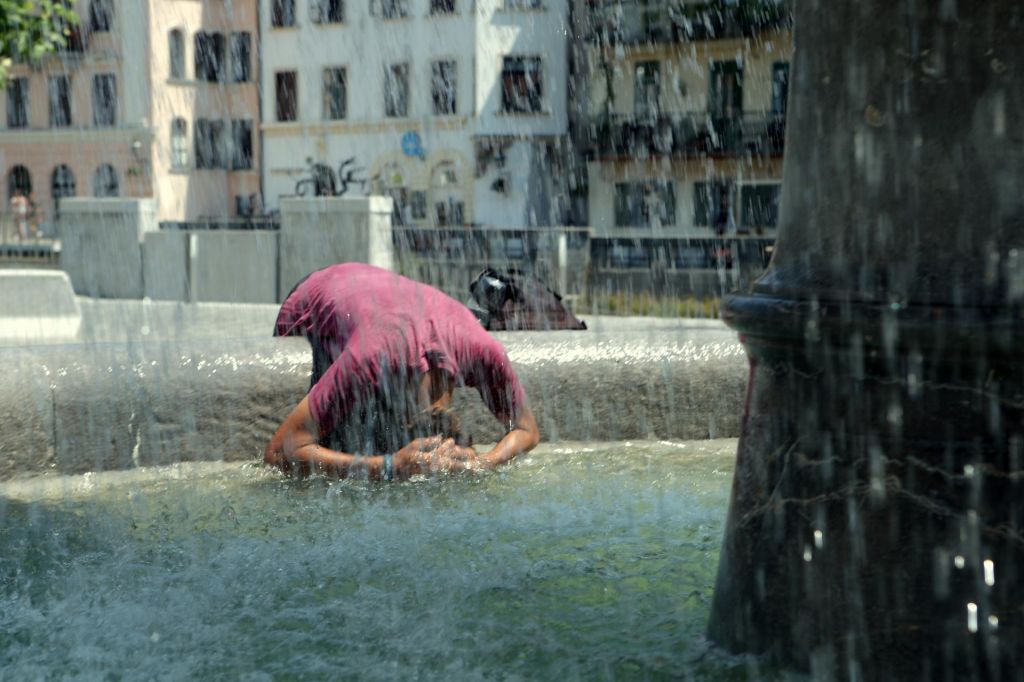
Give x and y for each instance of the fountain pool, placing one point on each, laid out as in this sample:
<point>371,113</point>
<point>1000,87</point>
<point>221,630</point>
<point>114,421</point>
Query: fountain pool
<point>577,562</point>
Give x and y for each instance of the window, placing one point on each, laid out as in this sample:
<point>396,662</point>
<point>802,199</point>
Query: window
<point>241,59</point>
<point>63,182</point>
<point>760,204</point>
<point>647,89</point>
<point>449,213</point>
<point>104,100</point>
<point>712,203</point>
<point>523,4</point>
<point>247,205</point>
<point>241,144</point>
<point>629,255</point>
<point>442,6</point>
<point>60,101</point>
<point>104,182</point>
<point>389,9</point>
<point>645,204</point>
<point>176,47</point>
<point>209,57</point>
<point>19,181</point>
<point>521,88</point>
<point>74,34</point>
<point>179,144</point>
<point>726,95</point>
<point>396,90</point>
<point>446,195</point>
<point>17,103</point>
<point>443,88</point>
<point>418,205</point>
<point>327,11</point>
<point>101,15</point>
<point>400,210</point>
<point>282,13</point>
<point>334,93</point>
<point>780,87</point>
<point>209,143</point>
<point>286,95</point>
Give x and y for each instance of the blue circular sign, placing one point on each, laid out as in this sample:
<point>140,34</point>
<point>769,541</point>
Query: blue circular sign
<point>412,145</point>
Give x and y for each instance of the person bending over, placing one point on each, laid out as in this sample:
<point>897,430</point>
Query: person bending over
<point>386,351</point>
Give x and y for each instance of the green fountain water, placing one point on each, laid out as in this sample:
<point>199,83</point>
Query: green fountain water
<point>578,562</point>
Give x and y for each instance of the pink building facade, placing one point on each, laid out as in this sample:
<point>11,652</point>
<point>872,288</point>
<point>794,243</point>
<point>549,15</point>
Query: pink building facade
<point>151,98</point>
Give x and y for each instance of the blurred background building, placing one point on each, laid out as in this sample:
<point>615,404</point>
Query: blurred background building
<point>149,98</point>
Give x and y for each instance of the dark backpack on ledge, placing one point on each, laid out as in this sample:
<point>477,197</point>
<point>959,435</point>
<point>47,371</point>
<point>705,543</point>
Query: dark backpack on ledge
<point>513,301</point>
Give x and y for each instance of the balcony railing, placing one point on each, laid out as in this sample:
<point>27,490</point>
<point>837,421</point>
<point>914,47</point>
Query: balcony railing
<point>263,222</point>
<point>683,253</point>
<point>693,134</point>
<point>660,21</point>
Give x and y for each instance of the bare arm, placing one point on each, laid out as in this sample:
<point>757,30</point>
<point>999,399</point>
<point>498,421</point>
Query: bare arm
<point>523,437</point>
<point>296,444</point>
<point>452,458</point>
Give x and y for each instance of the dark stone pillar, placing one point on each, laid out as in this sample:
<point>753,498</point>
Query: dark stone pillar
<point>876,529</point>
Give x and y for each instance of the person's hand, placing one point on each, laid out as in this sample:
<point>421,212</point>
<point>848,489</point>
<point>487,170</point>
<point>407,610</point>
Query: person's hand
<point>409,460</point>
<point>460,453</point>
<point>448,458</point>
<point>276,458</point>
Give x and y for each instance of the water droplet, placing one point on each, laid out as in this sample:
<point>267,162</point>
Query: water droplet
<point>972,617</point>
<point>990,572</point>
<point>959,561</point>
<point>819,539</point>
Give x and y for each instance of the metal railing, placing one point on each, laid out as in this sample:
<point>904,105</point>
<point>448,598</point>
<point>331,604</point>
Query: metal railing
<point>663,21</point>
<point>449,258</point>
<point>686,134</point>
<point>482,243</point>
<point>254,223</point>
<point>682,253</point>
<point>25,243</point>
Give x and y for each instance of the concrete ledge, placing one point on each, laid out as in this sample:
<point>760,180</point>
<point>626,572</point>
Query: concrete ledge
<point>321,231</point>
<point>37,304</point>
<point>101,244</point>
<point>102,406</point>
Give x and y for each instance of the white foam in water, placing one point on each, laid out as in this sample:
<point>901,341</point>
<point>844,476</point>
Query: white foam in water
<point>581,562</point>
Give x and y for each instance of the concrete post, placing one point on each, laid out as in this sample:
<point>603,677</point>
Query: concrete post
<point>101,244</point>
<point>876,518</point>
<point>321,231</point>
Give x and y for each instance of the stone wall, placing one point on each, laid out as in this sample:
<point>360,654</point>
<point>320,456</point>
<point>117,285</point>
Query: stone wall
<point>121,404</point>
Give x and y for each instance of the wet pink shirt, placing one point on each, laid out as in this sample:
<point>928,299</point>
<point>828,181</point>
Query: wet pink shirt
<point>372,321</point>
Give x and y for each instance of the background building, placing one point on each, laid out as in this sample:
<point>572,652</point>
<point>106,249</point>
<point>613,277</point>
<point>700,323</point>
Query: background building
<point>150,98</point>
<point>682,120</point>
<point>456,109</point>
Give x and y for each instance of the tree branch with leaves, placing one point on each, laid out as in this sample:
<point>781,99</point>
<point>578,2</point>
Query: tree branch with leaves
<point>31,30</point>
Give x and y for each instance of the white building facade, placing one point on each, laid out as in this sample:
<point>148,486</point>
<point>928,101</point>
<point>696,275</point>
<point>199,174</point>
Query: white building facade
<point>455,108</point>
